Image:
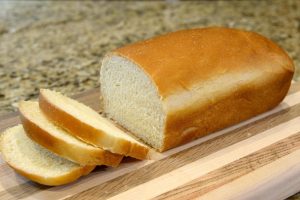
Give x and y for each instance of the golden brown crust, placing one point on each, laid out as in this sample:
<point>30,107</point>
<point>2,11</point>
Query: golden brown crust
<point>186,61</point>
<point>179,60</point>
<point>88,133</point>
<point>81,155</point>
<point>59,180</point>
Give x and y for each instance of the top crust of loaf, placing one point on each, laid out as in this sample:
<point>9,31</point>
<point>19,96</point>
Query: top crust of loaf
<point>204,53</point>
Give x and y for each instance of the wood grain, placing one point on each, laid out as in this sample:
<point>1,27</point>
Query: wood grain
<point>224,156</point>
<point>234,170</point>
<point>263,182</point>
<point>215,163</point>
<point>185,157</point>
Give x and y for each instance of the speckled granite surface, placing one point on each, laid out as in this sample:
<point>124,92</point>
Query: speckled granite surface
<point>60,44</point>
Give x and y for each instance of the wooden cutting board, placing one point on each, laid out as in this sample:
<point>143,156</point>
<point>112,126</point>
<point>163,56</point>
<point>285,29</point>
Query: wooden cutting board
<point>256,159</point>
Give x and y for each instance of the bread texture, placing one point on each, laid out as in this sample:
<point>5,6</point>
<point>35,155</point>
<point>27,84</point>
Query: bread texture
<point>174,88</point>
<point>86,124</point>
<point>37,163</point>
<point>40,129</point>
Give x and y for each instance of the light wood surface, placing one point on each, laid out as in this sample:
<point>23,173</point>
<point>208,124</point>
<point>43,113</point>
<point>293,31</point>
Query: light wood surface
<point>256,159</point>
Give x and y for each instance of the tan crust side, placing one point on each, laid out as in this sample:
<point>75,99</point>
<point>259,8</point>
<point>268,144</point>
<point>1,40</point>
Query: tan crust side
<point>88,133</point>
<point>233,108</point>
<point>55,181</point>
<point>83,156</point>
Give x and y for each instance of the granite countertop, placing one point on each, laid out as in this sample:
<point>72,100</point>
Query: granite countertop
<point>60,44</point>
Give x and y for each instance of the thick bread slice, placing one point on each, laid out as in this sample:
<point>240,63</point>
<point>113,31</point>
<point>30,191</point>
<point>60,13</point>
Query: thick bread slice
<point>35,162</point>
<point>88,125</point>
<point>173,88</point>
<point>44,132</point>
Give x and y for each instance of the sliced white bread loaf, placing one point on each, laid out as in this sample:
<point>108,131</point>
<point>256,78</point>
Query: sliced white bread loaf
<point>173,88</point>
<point>86,124</point>
<point>40,129</point>
<point>35,162</point>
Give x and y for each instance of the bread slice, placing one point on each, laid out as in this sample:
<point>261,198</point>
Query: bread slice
<point>35,162</point>
<point>173,88</point>
<point>88,125</point>
<point>57,140</point>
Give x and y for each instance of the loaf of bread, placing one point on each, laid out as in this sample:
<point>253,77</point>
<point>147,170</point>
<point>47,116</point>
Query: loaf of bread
<point>35,162</point>
<point>174,88</point>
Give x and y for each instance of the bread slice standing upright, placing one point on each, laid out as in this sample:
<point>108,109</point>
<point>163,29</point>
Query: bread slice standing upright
<point>173,88</point>
<point>86,124</point>
<point>40,129</point>
<point>35,162</point>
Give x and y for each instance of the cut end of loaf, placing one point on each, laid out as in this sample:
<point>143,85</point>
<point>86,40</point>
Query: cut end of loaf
<point>133,101</point>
